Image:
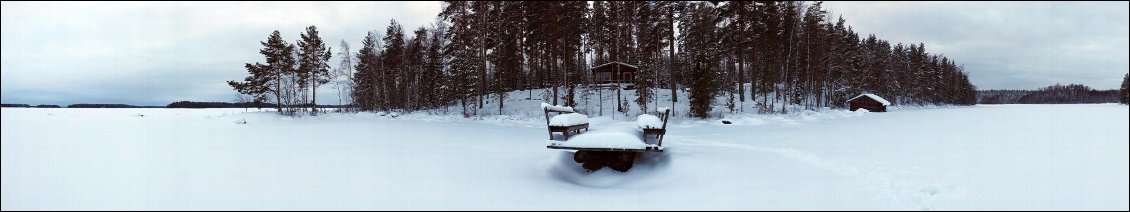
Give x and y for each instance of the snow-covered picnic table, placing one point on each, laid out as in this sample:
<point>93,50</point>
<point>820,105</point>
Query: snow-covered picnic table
<point>618,136</point>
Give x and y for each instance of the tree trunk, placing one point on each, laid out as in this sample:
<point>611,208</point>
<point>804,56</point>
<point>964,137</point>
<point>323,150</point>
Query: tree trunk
<point>741,65</point>
<point>314,96</point>
<point>278,91</point>
<point>671,51</point>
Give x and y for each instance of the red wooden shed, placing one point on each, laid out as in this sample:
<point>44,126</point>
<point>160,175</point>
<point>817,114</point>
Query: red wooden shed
<point>614,72</point>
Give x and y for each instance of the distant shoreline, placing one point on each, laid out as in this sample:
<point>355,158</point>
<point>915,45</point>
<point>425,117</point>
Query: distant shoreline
<point>180,104</point>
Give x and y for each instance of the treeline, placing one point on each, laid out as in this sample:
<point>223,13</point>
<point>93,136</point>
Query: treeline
<point>109,106</point>
<point>1001,96</point>
<point>191,104</point>
<point>778,55</point>
<point>27,105</point>
<point>1055,94</point>
<point>83,105</point>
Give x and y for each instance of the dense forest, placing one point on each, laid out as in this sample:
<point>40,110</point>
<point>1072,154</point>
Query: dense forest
<point>775,54</point>
<point>1055,94</point>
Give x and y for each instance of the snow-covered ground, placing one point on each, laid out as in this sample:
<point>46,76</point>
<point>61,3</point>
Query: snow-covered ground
<point>999,157</point>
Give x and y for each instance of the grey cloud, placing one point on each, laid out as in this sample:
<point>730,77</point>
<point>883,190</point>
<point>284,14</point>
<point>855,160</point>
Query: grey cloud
<point>153,53</point>
<point>1008,45</point>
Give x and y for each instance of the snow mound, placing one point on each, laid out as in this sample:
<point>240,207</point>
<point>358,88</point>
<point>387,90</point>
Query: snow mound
<point>624,135</point>
<point>861,110</point>
<point>568,119</point>
<point>241,121</point>
<point>662,109</point>
<point>556,108</point>
<point>649,121</point>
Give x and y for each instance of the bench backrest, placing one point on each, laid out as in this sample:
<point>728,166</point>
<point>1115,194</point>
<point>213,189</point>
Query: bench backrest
<point>548,110</point>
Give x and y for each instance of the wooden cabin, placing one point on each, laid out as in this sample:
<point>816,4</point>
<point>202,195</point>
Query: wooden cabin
<point>871,102</point>
<point>614,72</point>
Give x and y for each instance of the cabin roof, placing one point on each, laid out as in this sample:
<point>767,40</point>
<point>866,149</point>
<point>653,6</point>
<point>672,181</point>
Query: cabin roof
<point>872,96</point>
<point>594,69</point>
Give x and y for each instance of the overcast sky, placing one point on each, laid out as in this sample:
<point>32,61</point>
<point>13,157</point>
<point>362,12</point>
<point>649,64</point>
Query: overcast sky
<point>154,53</point>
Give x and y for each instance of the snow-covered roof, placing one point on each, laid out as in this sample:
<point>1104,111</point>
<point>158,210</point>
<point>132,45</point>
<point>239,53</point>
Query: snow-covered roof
<point>873,96</point>
<point>616,62</point>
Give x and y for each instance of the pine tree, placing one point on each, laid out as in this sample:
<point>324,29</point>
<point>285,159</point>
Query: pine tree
<point>314,63</point>
<point>507,55</point>
<point>256,84</point>
<point>649,27</point>
<point>280,63</point>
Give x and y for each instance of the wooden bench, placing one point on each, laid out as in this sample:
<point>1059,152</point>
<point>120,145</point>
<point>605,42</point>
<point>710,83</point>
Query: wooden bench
<point>564,130</point>
<point>658,132</point>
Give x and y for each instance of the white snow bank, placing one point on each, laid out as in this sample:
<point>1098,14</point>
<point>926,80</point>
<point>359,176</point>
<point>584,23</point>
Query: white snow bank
<point>623,135</point>
<point>649,121</point>
<point>556,108</point>
<point>568,119</point>
<point>873,96</point>
<point>241,121</point>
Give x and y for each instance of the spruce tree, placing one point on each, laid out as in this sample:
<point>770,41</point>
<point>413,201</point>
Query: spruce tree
<point>1124,93</point>
<point>395,76</point>
<point>365,90</point>
<point>703,88</point>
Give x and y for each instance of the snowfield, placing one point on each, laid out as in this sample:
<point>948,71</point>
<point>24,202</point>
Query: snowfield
<point>998,157</point>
